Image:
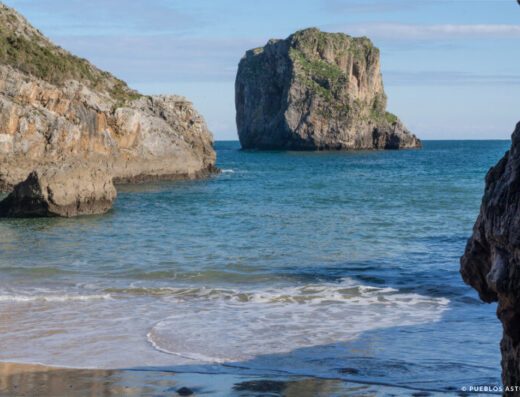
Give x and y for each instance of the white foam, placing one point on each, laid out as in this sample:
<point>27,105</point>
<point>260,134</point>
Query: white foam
<point>190,355</point>
<point>51,298</point>
<point>228,171</point>
<point>197,325</point>
<point>229,325</point>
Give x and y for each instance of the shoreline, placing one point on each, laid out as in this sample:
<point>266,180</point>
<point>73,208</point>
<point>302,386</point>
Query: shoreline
<point>203,173</point>
<point>20,379</point>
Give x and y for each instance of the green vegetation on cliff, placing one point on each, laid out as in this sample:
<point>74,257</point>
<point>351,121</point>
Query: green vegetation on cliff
<point>317,68</point>
<point>341,43</point>
<point>322,62</point>
<point>388,117</point>
<point>25,49</point>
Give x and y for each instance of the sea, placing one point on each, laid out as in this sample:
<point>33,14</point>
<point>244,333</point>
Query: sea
<point>329,265</point>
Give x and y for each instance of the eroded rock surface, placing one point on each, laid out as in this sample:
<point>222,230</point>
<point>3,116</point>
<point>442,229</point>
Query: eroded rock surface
<point>66,190</point>
<point>491,262</point>
<point>55,107</point>
<point>316,91</point>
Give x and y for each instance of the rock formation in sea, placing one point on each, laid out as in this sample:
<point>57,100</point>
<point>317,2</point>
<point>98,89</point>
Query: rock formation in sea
<point>315,91</point>
<point>64,190</point>
<point>56,107</point>
<point>491,262</point>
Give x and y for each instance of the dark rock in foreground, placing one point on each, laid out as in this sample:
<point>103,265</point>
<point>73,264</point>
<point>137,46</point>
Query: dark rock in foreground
<point>316,91</point>
<point>491,263</point>
<point>68,190</point>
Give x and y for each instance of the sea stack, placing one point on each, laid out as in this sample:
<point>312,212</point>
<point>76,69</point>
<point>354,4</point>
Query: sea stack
<point>316,91</point>
<point>57,108</point>
<point>491,262</point>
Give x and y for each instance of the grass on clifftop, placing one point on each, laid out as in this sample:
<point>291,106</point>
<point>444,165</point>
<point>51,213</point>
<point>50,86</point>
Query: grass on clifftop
<point>342,44</point>
<point>54,65</point>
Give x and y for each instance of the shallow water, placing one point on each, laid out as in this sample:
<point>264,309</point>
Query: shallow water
<point>337,265</point>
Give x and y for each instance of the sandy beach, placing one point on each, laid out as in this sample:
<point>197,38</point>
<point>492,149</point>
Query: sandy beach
<point>38,380</point>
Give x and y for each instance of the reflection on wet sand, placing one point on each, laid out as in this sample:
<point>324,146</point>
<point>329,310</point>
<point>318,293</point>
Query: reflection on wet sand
<point>37,380</point>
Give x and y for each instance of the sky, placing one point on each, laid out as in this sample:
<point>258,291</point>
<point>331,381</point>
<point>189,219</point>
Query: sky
<point>450,67</point>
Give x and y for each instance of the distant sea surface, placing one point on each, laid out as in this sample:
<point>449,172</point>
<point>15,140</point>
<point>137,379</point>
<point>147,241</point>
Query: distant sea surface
<point>334,265</point>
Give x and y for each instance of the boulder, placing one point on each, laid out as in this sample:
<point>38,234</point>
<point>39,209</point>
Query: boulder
<point>67,190</point>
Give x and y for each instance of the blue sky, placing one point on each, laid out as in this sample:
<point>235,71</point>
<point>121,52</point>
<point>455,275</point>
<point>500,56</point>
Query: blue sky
<point>450,67</point>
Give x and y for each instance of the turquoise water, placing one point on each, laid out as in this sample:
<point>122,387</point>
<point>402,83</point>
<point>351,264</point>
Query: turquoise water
<point>337,265</point>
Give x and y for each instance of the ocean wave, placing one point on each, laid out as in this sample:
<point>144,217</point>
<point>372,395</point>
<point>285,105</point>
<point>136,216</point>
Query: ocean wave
<point>51,298</point>
<point>346,291</point>
<point>227,171</point>
<point>227,325</point>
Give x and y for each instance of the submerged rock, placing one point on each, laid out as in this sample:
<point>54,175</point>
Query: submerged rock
<point>262,386</point>
<point>491,262</point>
<point>67,190</point>
<point>184,391</point>
<point>56,107</point>
<point>316,91</point>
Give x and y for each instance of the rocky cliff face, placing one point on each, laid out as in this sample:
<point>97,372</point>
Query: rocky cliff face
<point>491,262</point>
<point>314,91</point>
<point>56,107</point>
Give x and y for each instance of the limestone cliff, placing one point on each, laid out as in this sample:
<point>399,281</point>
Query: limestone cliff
<point>56,107</point>
<point>491,262</point>
<point>315,91</point>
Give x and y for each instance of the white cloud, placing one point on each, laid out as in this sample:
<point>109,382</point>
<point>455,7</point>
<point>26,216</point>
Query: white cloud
<point>404,31</point>
<point>107,17</point>
<point>369,6</point>
<point>447,78</point>
<point>151,59</point>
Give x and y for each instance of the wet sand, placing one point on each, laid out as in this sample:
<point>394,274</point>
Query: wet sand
<point>38,380</point>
